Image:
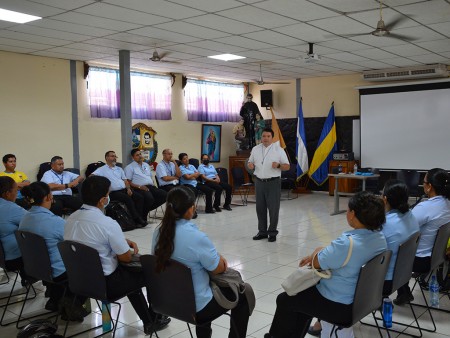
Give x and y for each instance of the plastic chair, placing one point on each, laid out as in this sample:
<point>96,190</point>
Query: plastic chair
<point>172,290</point>
<point>86,278</point>
<point>402,274</point>
<point>288,179</point>
<point>11,293</point>
<point>368,293</point>
<point>37,265</point>
<point>195,162</point>
<point>239,184</point>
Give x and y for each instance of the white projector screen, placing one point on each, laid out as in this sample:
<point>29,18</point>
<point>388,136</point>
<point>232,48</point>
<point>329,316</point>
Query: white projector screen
<point>406,127</point>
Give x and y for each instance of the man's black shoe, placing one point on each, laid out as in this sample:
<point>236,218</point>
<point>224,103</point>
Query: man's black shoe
<point>259,236</point>
<point>227,207</point>
<point>210,211</point>
<point>403,299</point>
<point>218,209</point>
<point>160,324</point>
<point>52,305</point>
<point>272,238</point>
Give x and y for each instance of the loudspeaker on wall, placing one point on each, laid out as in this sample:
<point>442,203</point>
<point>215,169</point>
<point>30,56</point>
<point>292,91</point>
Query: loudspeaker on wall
<point>266,98</point>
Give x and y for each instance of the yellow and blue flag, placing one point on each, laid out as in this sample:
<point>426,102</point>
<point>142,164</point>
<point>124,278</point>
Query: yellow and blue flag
<point>302,155</point>
<point>318,171</point>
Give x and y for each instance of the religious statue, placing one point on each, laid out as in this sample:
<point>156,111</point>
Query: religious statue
<point>248,112</point>
<point>259,127</point>
<point>240,138</point>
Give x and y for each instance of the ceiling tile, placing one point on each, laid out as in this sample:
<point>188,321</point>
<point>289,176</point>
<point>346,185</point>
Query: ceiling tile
<point>274,38</point>
<point>117,41</point>
<point>285,52</point>
<point>345,45</point>
<point>29,7</point>
<point>161,34</point>
<point>306,32</point>
<point>32,38</point>
<point>372,64</point>
<point>428,12</point>
<point>374,53</point>
<point>256,16</point>
<point>406,50</point>
<point>223,24</point>
<point>420,33</point>
<point>64,4</point>
<point>348,5</point>
<point>192,30</point>
<point>436,45</point>
<point>443,27</point>
<point>23,44</point>
<point>301,10</point>
<point>208,5</point>
<point>341,25</point>
<point>400,62</point>
<point>81,53</point>
<point>377,41</point>
<point>244,42</point>
<point>371,18</point>
<point>429,58</point>
<point>347,57</point>
<point>81,28</point>
<point>16,49</point>
<point>50,33</point>
<point>217,46</point>
<point>95,21</point>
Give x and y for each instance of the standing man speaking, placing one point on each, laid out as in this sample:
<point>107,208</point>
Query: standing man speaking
<point>268,160</point>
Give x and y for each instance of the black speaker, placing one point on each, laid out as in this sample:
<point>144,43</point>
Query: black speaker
<point>266,98</point>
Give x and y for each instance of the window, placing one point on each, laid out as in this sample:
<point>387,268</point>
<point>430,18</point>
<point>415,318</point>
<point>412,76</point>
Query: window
<point>213,101</point>
<point>150,95</point>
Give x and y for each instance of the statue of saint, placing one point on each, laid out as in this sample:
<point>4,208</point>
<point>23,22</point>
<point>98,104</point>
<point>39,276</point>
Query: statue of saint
<point>248,112</point>
<point>259,127</point>
<point>240,138</point>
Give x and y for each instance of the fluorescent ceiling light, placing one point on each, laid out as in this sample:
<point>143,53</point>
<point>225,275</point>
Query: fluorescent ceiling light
<point>227,57</point>
<point>16,17</point>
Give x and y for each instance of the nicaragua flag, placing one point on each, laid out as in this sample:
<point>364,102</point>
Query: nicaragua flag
<point>302,155</point>
<point>325,149</point>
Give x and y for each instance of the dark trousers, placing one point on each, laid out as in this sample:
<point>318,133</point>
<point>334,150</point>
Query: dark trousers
<point>134,203</point>
<point>421,265</point>
<point>16,264</point>
<point>208,194</point>
<point>294,313</point>
<point>168,187</point>
<point>268,196</point>
<point>239,315</point>
<point>218,188</point>
<point>125,282</point>
<point>153,198</point>
<point>65,201</point>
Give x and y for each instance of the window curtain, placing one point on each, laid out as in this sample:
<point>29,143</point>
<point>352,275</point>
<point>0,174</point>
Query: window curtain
<point>213,101</point>
<point>150,95</point>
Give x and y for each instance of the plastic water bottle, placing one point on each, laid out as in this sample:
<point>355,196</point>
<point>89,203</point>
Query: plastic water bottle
<point>434,292</point>
<point>106,318</point>
<point>355,169</point>
<point>387,312</point>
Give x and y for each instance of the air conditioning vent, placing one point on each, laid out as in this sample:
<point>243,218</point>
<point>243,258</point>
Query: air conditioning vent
<point>419,72</point>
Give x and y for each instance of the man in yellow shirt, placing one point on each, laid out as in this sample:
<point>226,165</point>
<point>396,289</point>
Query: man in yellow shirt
<point>9,161</point>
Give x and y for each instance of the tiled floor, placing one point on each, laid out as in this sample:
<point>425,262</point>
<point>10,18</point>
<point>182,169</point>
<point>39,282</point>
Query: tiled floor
<point>305,223</point>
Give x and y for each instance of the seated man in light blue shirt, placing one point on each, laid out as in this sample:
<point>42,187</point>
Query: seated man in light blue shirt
<point>120,188</point>
<point>167,171</point>
<point>210,178</point>
<point>189,177</point>
<point>139,176</point>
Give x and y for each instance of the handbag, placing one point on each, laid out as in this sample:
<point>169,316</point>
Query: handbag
<point>305,277</point>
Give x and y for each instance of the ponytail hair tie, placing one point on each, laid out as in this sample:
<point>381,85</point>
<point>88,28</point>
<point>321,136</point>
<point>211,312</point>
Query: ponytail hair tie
<point>30,200</point>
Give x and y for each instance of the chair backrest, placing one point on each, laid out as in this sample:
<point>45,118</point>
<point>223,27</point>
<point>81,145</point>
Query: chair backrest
<point>2,257</point>
<point>195,162</point>
<point>369,289</point>
<point>438,255</point>
<point>172,290</point>
<point>36,260</point>
<point>43,167</point>
<point>238,176</point>
<point>405,260</point>
<point>73,170</point>
<point>411,179</point>
<point>84,269</point>
<point>93,167</point>
<point>223,174</point>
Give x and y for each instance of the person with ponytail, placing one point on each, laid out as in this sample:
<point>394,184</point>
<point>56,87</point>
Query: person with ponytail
<point>400,223</point>
<point>10,216</point>
<point>41,221</point>
<point>431,215</point>
<point>179,238</point>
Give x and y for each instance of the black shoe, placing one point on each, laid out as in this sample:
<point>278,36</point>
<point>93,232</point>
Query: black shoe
<point>160,324</point>
<point>218,209</point>
<point>267,335</point>
<point>227,207</point>
<point>403,299</point>
<point>210,211</point>
<point>259,236</point>
<point>272,238</point>
<point>52,305</point>
<point>195,215</point>
<point>313,332</point>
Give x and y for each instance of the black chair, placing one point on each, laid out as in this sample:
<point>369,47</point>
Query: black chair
<point>239,184</point>
<point>11,293</point>
<point>43,167</point>
<point>195,162</point>
<point>412,181</point>
<point>172,290</point>
<point>288,179</point>
<point>223,175</point>
<point>402,274</point>
<point>37,265</point>
<point>368,293</point>
<point>438,257</point>
<point>85,274</point>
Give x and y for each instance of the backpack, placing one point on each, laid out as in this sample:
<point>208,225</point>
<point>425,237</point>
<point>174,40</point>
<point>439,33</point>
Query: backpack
<point>43,167</point>
<point>119,212</point>
<point>93,167</point>
<point>39,328</point>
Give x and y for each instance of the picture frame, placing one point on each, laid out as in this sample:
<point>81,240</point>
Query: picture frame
<point>211,141</point>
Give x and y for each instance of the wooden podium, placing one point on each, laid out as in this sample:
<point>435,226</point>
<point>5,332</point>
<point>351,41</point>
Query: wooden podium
<point>239,162</point>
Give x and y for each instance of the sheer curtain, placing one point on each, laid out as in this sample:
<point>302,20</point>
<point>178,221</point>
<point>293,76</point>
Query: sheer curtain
<point>150,95</point>
<point>213,101</point>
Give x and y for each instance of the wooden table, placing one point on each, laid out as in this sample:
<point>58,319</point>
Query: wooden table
<point>336,187</point>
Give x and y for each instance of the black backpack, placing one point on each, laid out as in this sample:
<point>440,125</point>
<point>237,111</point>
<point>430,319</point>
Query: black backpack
<point>119,212</point>
<point>93,167</point>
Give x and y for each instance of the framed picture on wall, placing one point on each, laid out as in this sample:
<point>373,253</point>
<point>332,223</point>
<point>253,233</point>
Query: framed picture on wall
<point>211,141</point>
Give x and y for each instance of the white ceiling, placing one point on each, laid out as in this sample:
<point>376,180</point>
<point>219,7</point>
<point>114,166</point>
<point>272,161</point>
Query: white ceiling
<point>274,33</point>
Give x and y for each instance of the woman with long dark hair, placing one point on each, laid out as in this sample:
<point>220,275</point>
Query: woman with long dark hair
<point>179,239</point>
<point>431,215</point>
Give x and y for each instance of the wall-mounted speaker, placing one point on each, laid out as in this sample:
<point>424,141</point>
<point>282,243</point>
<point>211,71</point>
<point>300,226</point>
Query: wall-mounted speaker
<point>266,98</point>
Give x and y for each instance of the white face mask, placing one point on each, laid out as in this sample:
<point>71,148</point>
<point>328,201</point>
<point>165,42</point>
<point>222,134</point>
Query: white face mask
<point>105,205</point>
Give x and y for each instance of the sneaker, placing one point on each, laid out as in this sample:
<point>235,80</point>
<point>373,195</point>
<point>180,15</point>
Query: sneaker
<point>403,299</point>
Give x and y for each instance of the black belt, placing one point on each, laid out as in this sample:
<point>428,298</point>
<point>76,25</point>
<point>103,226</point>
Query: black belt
<point>267,179</point>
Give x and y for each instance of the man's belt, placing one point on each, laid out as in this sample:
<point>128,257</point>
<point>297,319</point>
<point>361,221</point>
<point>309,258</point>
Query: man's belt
<point>267,179</point>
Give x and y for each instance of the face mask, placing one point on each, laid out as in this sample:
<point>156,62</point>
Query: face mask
<point>105,205</point>
<point>205,162</point>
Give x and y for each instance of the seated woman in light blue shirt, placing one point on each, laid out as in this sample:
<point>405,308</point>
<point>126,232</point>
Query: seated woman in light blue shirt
<point>10,216</point>
<point>180,239</point>
<point>400,223</point>
<point>431,215</point>
<point>331,299</point>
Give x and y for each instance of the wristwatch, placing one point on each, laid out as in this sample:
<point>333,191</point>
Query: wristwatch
<point>279,165</point>
<point>66,185</point>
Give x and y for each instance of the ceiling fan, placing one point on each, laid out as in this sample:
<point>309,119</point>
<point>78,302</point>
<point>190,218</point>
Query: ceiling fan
<point>311,57</point>
<point>261,81</point>
<point>156,57</point>
<point>384,30</point>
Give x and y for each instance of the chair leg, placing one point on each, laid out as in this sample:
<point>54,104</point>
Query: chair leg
<point>7,277</point>
<point>190,332</point>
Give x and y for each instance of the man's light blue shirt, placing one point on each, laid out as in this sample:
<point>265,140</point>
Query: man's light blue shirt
<point>114,174</point>
<point>139,174</point>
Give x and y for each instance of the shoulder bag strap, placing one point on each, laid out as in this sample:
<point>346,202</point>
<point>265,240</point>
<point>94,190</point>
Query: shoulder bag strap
<point>350,249</point>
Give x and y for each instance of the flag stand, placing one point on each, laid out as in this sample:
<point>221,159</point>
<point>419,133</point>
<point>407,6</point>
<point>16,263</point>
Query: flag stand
<point>302,186</point>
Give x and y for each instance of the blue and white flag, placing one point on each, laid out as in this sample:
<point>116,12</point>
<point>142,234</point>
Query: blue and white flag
<point>301,154</point>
